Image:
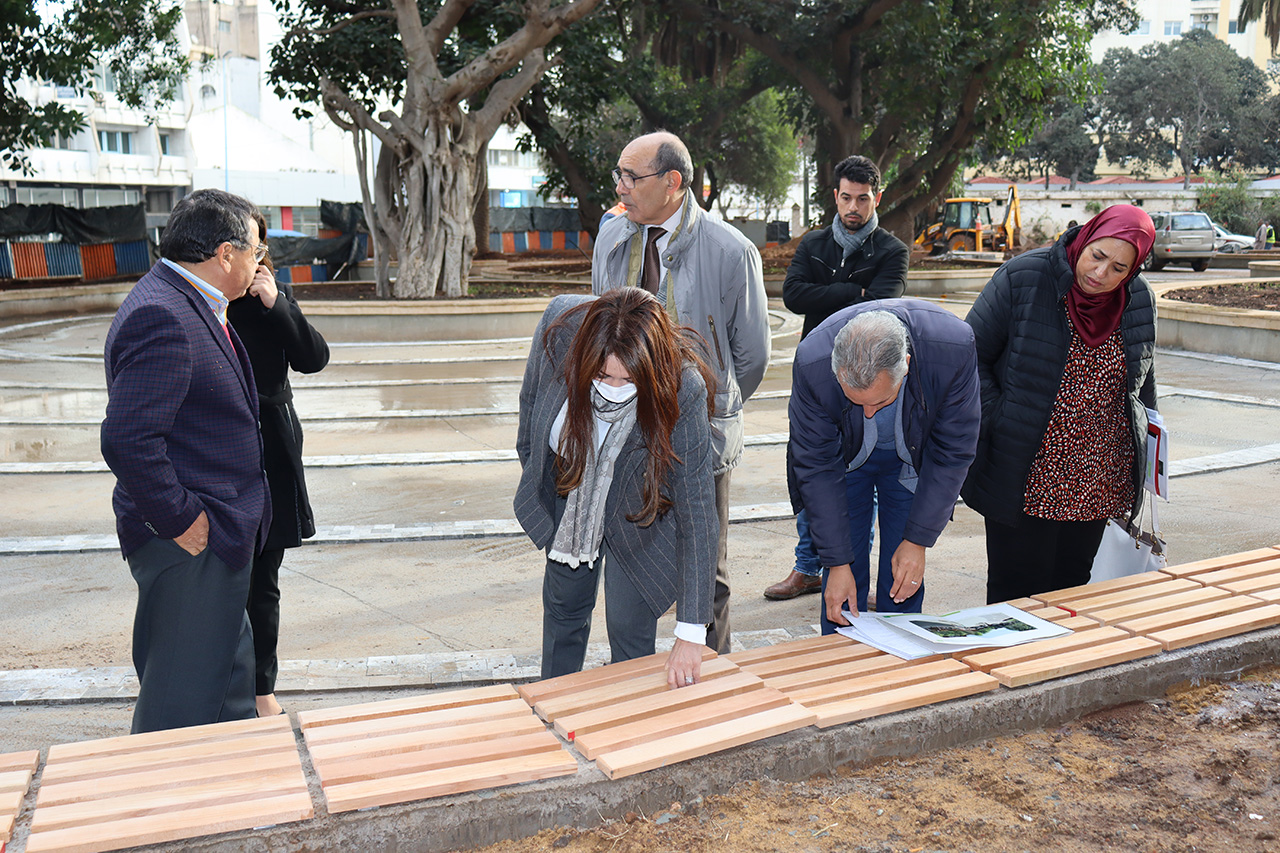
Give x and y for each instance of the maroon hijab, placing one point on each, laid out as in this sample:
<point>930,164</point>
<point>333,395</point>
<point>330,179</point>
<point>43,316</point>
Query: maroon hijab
<point>1097,315</point>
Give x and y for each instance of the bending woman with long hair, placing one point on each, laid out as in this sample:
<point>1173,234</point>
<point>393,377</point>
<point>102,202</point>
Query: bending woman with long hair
<point>615,446</point>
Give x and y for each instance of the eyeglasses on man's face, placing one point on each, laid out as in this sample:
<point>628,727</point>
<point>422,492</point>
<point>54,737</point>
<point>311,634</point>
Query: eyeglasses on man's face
<point>260,252</point>
<point>628,180</point>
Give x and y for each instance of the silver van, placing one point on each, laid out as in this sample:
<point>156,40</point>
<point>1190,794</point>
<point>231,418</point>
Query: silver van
<point>1182,237</point>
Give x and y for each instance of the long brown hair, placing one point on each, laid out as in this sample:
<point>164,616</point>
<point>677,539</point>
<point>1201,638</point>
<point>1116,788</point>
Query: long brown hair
<point>631,325</point>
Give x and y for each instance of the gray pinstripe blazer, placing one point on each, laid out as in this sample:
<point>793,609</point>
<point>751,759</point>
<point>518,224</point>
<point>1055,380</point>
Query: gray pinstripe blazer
<point>671,560</point>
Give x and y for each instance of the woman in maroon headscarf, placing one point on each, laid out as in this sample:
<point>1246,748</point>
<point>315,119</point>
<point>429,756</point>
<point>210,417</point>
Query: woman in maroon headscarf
<point>1065,339</point>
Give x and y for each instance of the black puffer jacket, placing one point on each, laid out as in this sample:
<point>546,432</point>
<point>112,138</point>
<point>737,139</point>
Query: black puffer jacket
<point>820,281</point>
<point>1020,327</point>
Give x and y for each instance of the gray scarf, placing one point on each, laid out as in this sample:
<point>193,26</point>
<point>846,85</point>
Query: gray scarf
<point>581,527</point>
<point>851,241</point>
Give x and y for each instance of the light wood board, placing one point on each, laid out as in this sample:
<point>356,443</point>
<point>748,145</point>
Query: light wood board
<point>1073,662</point>
<point>1101,588</point>
<point>576,682</point>
<point>16,769</point>
<point>169,786</point>
<point>1224,562</point>
<point>377,754</point>
<point>1188,615</point>
<point>1153,606</point>
<point>1222,626</point>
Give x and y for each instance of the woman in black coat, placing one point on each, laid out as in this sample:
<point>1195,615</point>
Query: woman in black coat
<point>1065,338</point>
<point>277,337</point>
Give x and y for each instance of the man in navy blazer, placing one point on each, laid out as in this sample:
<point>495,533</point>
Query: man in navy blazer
<point>884,399</point>
<point>181,436</point>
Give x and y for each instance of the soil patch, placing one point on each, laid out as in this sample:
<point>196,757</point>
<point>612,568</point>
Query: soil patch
<point>1196,771</point>
<point>1263,296</point>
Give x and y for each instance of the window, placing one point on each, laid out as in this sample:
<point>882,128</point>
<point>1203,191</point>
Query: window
<point>103,79</point>
<point>115,141</point>
<point>1233,26</point>
<point>164,143</point>
<point>1200,25</point>
<point>1173,28</point>
<point>509,157</point>
<point>47,195</point>
<point>109,198</point>
<point>1144,28</point>
<point>224,26</point>
<point>159,201</point>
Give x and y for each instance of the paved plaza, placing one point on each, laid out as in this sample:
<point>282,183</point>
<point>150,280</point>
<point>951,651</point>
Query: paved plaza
<point>419,575</point>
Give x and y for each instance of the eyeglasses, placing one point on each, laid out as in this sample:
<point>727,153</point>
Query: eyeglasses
<point>629,181</point>
<point>260,252</point>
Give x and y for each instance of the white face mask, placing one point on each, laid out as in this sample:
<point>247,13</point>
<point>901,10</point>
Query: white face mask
<point>615,393</point>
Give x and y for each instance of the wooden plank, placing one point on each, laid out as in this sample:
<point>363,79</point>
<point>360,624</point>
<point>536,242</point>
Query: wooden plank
<point>1251,586</point>
<point>595,743</point>
<point>854,669</point>
<point>511,709</point>
<point>1070,663</point>
<point>1147,625</point>
<point>213,732</point>
<point>463,733</point>
<point>1222,577</point>
<point>144,780</point>
<point>904,698</point>
<point>805,645</point>
<point>571,726</point>
<point>989,660</point>
<point>1078,623</point>
<point>450,780</point>
<point>612,693</point>
<point>588,678</point>
<point>875,683</point>
<point>155,829</point>
<point>704,741</point>
<point>390,766</point>
<point>28,760</point>
<point>1136,610</point>
<point>247,748</point>
<point>1223,626</point>
<point>1027,603</point>
<point>1101,588</point>
<point>408,705</point>
<point>1183,570</point>
<point>1271,596</point>
<point>813,660</point>
<point>1169,586</point>
<point>131,804</point>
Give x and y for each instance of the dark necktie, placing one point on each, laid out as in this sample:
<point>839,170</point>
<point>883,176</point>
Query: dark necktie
<point>652,271</point>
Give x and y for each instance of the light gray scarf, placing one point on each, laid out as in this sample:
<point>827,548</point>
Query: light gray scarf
<point>851,241</point>
<point>581,527</point>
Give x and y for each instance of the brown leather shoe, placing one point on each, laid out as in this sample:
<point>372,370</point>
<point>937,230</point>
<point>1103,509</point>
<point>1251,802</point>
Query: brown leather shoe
<point>796,584</point>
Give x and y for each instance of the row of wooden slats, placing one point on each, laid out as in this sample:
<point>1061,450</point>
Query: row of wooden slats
<point>16,770</point>
<point>626,719</point>
<point>167,786</point>
<point>399,750</point>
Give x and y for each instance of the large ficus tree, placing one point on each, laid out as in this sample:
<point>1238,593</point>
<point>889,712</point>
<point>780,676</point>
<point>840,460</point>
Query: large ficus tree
<point>62,43</point>
<point>431,81</point>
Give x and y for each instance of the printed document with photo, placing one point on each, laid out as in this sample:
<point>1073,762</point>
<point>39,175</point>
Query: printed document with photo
<point>916,635</point>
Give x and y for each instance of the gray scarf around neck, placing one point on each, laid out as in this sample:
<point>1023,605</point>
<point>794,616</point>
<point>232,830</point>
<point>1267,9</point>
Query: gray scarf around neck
<point>581,527</point>
<point>851,241</point>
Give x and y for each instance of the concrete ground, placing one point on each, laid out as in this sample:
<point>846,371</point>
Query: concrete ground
<point>410,438</point>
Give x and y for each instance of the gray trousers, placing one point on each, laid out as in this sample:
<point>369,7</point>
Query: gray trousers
<point>569,597</point>
<point>718,631</point>
<point>192,645</point>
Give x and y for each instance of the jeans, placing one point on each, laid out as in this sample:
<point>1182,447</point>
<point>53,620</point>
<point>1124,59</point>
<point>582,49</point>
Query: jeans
<point>807,555</point>
<point>873,489</point>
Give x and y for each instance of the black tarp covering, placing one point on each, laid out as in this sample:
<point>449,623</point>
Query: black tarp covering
<point>123,224</point>
<point>343,216</point>
<point>534,219</point>
<point>294,251</point>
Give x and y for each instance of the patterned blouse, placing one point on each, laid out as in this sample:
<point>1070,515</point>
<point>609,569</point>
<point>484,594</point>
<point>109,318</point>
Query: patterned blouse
<point>1084,468</point>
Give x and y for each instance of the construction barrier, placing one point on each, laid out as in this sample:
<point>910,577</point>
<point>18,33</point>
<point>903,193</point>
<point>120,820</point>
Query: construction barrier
<point>98,261</point>
<point>29,261</point>
<point>511,242</point>
<point>132,258</point>
<point>6,261</point>
<point>303,274</point>
<point>62,260</point>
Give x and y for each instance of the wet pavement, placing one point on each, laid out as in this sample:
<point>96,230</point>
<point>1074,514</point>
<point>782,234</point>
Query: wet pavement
<point>420,575</point>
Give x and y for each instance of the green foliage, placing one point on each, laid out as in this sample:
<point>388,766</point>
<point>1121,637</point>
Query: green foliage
<point>135,39</point>
<point>757,150</point>
<point>1194,101</point>
<point>1227,200</point>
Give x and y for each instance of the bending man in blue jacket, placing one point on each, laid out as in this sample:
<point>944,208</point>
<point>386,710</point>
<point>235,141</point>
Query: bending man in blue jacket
<point>884,402</point>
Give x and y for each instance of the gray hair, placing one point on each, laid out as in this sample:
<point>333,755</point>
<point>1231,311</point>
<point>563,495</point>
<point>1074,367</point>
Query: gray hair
<point>203,221</point>
<point>872,343</point>
<point>673,156</point>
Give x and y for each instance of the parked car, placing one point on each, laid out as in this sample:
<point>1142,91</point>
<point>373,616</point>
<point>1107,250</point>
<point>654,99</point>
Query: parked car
<point>1182,237</point>
<point>1227,242</point>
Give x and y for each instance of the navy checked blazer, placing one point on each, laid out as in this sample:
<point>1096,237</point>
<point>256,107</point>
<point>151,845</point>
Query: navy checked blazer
<point>181,431</point>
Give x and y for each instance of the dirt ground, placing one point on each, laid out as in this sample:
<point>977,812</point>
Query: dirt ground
<point>1264,296</point>
<point>1196,771</point>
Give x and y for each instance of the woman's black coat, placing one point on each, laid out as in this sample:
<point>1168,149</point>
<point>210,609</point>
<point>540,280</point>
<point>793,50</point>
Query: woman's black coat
<point>278,339</point>
<point>1020,327</point>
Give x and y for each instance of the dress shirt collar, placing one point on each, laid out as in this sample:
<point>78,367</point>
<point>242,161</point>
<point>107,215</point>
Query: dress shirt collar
<point>217,300</point>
